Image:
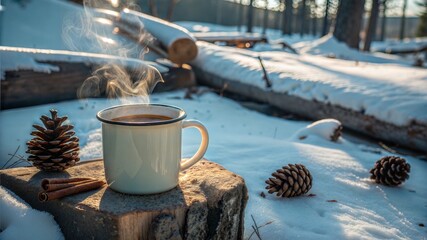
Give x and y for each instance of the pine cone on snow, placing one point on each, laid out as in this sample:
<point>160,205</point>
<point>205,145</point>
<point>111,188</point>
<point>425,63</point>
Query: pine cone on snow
<point>290,181</point>
<point>54,147</point>
<point>390,171</point>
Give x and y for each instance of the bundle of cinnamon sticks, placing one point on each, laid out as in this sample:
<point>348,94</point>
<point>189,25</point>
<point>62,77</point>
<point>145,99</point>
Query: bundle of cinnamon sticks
<point>54,188</point>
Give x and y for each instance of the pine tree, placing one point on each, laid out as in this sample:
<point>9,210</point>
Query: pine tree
<point>349,22</point>
<point>422,26</point>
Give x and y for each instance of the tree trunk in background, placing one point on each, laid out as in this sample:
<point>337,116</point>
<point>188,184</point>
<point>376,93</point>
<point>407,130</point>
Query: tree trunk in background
<point>313,14</point>
<point>302,17</point>
<point>325,28</point>
<point>250,16</point>
<point>171,7</point>
<point>276,19</point>
<point>219,12</point>
<point>265,18</point>
<point>372,25</point>
<point>240,16</point>
<point>383,20</point>
<point>153,8</point>
<point>403,20</point>
<point>422,24</point>
<point>349,22</point>
<point>287,17</point>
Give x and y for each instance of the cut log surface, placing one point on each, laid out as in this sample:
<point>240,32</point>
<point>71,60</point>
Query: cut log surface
<point>179,42</point>
<point>413,136</point>
<point>209,203</point>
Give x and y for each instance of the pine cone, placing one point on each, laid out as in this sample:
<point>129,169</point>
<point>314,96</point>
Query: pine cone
<point>290,181</point>
<point>54,148</point>
<point>390,171</point>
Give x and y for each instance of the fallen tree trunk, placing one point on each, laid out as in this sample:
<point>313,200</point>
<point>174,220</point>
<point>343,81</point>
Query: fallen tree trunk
<point>413,136</point>
<point>24,88</point>
<point>238,39</point>
<point>180,44</point>
<point>403,51</point>
<point>36,76</point>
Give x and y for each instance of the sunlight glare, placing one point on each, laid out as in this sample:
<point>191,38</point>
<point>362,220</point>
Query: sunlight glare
<point>115,3</point>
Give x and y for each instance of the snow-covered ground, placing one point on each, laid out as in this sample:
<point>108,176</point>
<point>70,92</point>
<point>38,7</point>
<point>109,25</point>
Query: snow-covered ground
<point>386,88</point>
<point>19,221</point>
<point>254,145</point>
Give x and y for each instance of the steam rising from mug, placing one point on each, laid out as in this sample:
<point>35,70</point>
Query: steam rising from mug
<point>94,30</point>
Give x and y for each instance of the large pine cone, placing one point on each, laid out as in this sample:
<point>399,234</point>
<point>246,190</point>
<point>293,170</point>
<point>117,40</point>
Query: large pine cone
<point>54,148</point>
<point>290,181</point>
<point>390,171</point>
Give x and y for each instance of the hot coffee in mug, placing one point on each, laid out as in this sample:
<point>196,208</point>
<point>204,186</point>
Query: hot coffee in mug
<point>142,147</point>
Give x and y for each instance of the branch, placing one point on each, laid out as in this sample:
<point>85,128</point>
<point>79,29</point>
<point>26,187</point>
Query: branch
<point>265,77</point>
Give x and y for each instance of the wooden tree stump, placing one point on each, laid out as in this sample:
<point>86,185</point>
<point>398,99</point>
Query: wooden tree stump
<point>209,203</point>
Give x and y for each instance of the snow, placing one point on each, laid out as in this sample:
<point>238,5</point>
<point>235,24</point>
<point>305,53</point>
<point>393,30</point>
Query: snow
<point>394,45</point>
<point>325,128</point>
<point>330,47</point>
<point>273,35</point>
<point>33,26</point>
<point>386,89</point>
<point>254,145</point>
<point>19,221</point>
<point>14,59</point>
<point>165,31</point>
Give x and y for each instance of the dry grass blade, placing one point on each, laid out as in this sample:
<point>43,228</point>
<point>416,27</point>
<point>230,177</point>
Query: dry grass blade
<point>19,159</point>
<point>256,228</point>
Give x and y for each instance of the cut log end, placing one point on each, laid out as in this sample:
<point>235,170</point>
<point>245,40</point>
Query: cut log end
<point>182,51</point>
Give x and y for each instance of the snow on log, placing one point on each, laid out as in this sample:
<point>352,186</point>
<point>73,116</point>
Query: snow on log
<point>31,76</point>
<point>14,59</point>
<point>239,39</point>
<point>384,105</point>
<point>328,129</point>
<point>180,44</point>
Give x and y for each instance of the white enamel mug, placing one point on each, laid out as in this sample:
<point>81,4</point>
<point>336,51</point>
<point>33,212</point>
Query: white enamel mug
<point>145,158</point>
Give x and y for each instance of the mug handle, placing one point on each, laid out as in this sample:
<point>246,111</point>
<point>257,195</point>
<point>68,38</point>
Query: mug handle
<point>203,146</point>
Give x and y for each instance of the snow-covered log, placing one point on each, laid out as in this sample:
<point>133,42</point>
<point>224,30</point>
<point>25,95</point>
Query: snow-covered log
<point>32,76</point>
<point>180,44</point>
<point>413,135</point>
<point>239,39</point>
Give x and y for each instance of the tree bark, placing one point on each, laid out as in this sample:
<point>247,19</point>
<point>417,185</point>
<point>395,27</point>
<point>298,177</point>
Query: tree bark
<point>153,7</point>
<point>325,28</point>
<point>384,19</point>
<point>403,20</point>
<point>239,15</point>
<point>313,8</point>
<point>287,17</point>
<point>265,18</point>
<point>171,8</point>
<point>349,22</point>
<point>372,25</point>
<point>302,17</point>
<point>250,16</point>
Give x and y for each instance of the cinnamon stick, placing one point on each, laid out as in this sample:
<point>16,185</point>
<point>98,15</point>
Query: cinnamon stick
<point>84,187</point>
<point>58,186</point>
<point>47,181</point>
